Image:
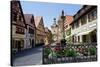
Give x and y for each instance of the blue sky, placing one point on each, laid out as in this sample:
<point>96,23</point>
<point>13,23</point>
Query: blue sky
<point>48,10</point>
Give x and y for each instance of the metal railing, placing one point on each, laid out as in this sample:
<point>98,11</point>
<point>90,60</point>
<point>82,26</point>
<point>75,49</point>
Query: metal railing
<point>70,53</point>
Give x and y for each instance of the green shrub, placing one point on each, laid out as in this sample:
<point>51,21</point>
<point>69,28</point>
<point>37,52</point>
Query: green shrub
<point>60,53</point>
<point>70,52</point>
<point>92,51</point>
<point>52,55</point>
<point>47,51</point>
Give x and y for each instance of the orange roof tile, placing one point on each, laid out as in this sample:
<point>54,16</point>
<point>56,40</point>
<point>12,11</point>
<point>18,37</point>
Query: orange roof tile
<point>68,19</point>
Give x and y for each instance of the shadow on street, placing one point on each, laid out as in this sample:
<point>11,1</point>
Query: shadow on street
<point>28,52</point>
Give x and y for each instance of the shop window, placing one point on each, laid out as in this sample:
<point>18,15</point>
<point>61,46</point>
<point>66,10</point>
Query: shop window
<point>30,41</point>
<point>22,43</point>
<point>13,44</point>
<point>78,38</point>
<point>84,38</point>
<point>93,37</point>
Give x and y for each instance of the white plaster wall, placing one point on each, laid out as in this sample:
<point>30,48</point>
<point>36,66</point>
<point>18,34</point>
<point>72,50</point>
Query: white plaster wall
<point>84,28</point>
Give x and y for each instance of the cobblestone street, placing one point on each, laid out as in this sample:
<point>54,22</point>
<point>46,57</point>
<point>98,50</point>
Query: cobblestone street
<point>29,57</point>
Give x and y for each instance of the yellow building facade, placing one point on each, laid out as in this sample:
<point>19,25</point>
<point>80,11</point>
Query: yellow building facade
<point>40,30</point>
<point>48,36</point>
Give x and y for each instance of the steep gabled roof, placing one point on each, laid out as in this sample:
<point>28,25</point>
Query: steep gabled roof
<point>27,18</point>
<point>16,9</point>
<point>37,20</point>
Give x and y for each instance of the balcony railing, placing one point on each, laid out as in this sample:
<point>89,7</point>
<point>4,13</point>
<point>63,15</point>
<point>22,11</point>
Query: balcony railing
<point>70,53</point>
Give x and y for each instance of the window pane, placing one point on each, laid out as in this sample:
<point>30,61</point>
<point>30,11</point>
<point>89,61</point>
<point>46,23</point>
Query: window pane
<point>95,14</point>
<point>77,24</point>
<point>92,16</point>
<point>83,20</point>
